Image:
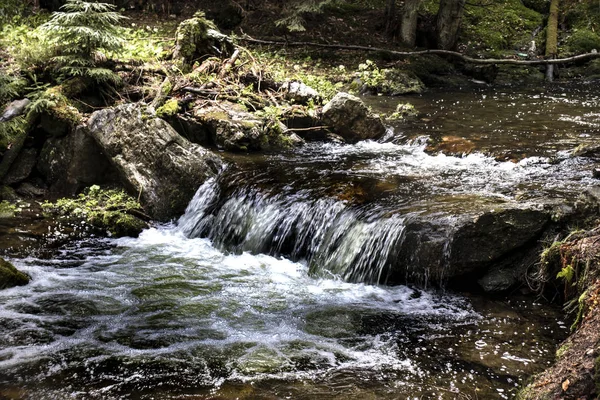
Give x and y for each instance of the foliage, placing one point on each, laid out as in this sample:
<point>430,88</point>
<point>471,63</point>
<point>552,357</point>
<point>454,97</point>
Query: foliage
<point>147,43</point>
<point>500,26</point>
<point>583,41</point>
<point>111,210</point>
<point>79,34</point>
<point>10,86</point>
<point>8,210</point>
<point>53,102</point>
<point>25,44</point>
<point>293,19</point>
<point>567,273</point>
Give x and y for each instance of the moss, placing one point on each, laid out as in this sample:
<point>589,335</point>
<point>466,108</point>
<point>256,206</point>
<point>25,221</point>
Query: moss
<point>189,33</point>
<point>583,41</point>
<point>112,211</point>
<point>499,27</point>
<point>170,108</point>
<point>7,210</point>
<point>403,110</point>
<point>562,350</point>
<point>10,276</point>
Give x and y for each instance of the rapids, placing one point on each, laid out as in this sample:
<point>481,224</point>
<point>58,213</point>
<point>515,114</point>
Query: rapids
<point>272,285</point>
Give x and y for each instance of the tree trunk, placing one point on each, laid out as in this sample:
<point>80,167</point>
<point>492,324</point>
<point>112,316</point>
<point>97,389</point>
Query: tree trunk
<point>552,38</point>
<point>390,16</point>
<point>408,29</point>
<point>448,23</point>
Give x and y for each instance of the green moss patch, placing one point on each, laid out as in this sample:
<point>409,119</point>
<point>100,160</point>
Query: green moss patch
<point>10,276</point>
<point>112,211</point>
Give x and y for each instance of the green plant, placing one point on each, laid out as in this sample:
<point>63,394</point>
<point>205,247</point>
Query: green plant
<point>293,18</point>
<point>79,34</point>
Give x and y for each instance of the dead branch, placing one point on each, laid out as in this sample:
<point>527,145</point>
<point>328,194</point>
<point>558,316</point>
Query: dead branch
<point>229,63</point>
<point>554,61</point>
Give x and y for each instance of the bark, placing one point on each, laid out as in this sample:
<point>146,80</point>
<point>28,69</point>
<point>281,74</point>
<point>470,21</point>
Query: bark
<point>448,23</point>
<point>390,15</point>
<point>408,28</point>
<point>552,38</point>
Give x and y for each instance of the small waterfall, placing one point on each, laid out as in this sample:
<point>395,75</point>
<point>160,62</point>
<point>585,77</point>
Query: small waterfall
<point>333,237</point>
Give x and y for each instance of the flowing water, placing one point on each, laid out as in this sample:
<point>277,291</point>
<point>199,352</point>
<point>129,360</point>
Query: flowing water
<point>267,287</point>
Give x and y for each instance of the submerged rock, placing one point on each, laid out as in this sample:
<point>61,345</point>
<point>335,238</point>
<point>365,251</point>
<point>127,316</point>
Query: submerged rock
<point>151,159</point>
<point>350,118</point>
<point>10,276</point>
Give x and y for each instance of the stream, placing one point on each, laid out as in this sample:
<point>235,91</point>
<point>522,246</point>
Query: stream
<point>276,283</point>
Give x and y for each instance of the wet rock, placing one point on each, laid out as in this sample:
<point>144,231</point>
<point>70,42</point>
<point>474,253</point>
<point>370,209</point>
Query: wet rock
<point>74,162</point>
<point>10,276</point>
<point>151,159</point>
<point>14,109</point>
<point>21,168</point>
<point>232,128</point>
<point>306,124</point>
<point>587,150</point>
<point>492,235</point>
<point>30,190</point>
<point>350,118</point>
<point>517,74</point>
<point>7,193</point>
<point>450,145</point>
<point>197,38</point>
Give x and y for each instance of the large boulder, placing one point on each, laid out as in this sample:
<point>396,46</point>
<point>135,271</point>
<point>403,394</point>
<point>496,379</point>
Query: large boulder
<point>493,235</point>
<point>151,159</point>
<point>21,167</point>
<point>73,162</point>
<point>10,276</point>
<point>350,118</point>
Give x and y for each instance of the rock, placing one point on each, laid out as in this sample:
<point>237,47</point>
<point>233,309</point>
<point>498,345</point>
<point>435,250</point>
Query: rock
<point>349,117</point>
<point>8,194</point>
<point>587,150</point>
<point>232,128</point>
<point>29,190</point>
<point>450,145</point>
<point>402,111</point>
<point>197,38</point>
<point>389,82</point>
<point>21,168</point>
<point>151,159</point>
<point>14,109</point>
<point>300,93</point>
<point>10,276</point>
<point>493,235</point>
<point>74,162</point>
<point>306,124</point>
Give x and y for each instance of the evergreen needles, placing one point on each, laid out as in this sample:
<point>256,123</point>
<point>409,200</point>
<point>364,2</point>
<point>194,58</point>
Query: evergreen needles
<point>79,33</point>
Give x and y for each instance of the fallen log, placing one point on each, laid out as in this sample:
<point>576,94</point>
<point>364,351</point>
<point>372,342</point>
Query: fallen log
<point>539,61</point>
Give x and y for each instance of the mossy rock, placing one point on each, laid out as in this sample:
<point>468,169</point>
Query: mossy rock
<point>169,109</point>
<point>110,211</point>
<point>583,41</point>
<point>10,276</point>
<point>518,75</point>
